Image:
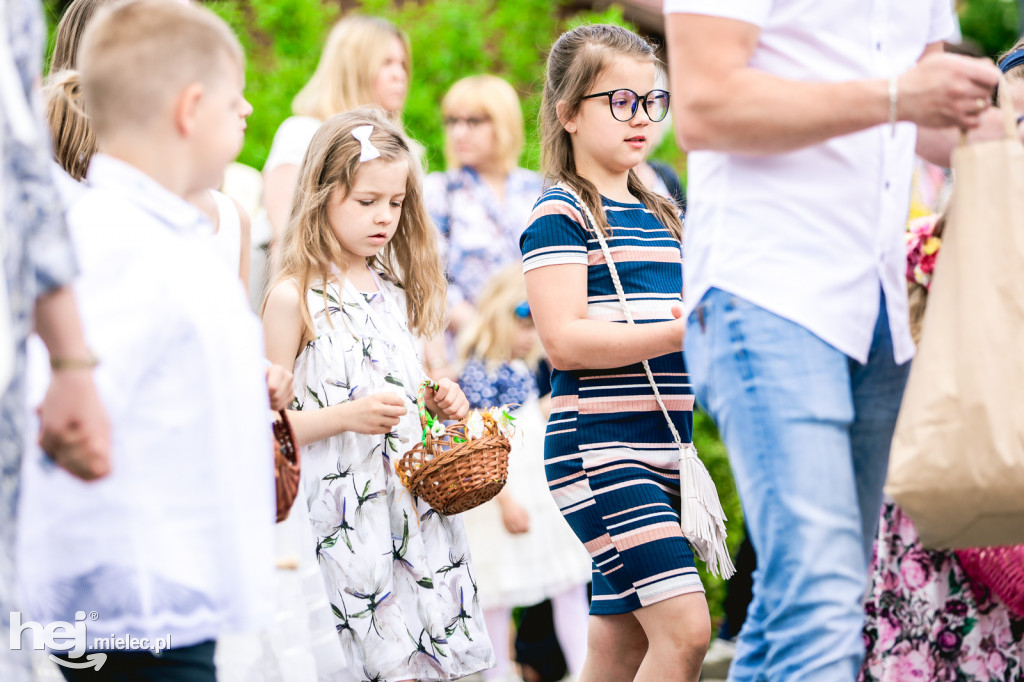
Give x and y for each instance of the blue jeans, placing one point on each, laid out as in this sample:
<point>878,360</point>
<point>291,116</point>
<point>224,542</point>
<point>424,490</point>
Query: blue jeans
<point>808,432</point>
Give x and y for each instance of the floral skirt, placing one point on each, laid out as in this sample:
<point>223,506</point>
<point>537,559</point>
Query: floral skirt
<point>927,621</point>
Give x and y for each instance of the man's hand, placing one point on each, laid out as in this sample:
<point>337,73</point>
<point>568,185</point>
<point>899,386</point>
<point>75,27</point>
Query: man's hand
<point>280,387</point>
<point>73,425</point>
<point>944,90</point>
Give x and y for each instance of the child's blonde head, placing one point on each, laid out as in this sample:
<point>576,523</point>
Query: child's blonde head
<point>310,246</point>
<point>491,334</point>
<point>1014,79</point>
<point>497,100</point>
<point>73,140</point>
<point>355,52</point>
<point>576,61</point>
<point>136,59</point>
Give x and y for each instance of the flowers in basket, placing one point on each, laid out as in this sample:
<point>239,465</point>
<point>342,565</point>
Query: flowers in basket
<point>477,424</point>
<point>458,466</point>
<point>923,243</point>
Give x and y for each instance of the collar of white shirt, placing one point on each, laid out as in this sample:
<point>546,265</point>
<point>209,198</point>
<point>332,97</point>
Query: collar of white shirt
<point>108,172</point>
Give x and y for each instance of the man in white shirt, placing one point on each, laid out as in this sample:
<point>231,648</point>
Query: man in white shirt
<point>800,117</point>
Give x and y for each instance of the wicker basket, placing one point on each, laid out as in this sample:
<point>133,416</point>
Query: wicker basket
<point>450,470</point>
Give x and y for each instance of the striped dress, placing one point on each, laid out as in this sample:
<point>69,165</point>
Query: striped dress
<point>610,459</point>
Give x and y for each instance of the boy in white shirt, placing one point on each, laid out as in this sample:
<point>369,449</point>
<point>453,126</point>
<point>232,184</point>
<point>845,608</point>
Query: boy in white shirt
<point>175,546</point>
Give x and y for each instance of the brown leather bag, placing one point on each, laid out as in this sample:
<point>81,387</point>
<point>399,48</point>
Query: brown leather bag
<point>286,465</point>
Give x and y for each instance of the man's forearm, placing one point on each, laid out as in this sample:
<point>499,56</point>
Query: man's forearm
<point>731,107</point>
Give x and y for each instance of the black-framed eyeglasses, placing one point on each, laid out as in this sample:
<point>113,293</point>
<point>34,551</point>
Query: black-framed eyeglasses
<point>624,103</point>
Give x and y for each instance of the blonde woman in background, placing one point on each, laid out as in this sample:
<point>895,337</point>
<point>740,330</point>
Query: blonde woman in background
<point>482,203</point>
<point>366,61</point>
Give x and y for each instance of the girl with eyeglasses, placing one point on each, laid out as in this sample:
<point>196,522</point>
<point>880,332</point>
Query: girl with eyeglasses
<point>523,551</point>
<point>481,204</point>
<point>616,429</point>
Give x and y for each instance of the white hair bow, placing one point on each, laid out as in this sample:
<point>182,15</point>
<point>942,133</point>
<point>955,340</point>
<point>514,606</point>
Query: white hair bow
<point>368,151</point>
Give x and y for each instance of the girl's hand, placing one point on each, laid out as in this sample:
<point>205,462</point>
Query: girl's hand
<point>376,414</point>
<point>280,388</point>
<point>514,516</point>
<point>677,313</point>
<point>448,401</point>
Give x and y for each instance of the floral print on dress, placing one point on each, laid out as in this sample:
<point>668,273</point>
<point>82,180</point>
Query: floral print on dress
<point>397,574</point>
<point>37,257</point>
<point>480,232</point>
<point>925,619</point>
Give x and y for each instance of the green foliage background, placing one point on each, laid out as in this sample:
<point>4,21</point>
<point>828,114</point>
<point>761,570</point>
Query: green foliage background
<point>450,39</point>
<point>992,24</point>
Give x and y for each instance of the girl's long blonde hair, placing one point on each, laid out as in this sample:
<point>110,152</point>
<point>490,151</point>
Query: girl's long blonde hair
<point>490,334</point>
<point>353,56</point>
<point>576,61</point>
<point>70,30</point>
<point>74,142</point>
<point>310,248</point>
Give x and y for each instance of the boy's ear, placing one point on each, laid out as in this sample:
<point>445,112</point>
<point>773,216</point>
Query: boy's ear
<point>568,124</point>
<point>186,109</point>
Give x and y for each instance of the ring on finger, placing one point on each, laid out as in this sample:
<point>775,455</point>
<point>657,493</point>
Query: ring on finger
<point>982,104</point>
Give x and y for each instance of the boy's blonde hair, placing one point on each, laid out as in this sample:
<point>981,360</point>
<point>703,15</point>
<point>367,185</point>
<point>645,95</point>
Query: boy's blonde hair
<point>498,101</point>
<point>138,56</point>
<point>490,334</point>
<point>70,30</point>
<point>73,140</point>
<point>355,52</point>
<point>576,61</point>
<point>310,246</point>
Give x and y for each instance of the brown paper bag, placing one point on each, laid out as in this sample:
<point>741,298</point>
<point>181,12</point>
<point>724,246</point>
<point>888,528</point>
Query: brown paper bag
<point>957,462</point>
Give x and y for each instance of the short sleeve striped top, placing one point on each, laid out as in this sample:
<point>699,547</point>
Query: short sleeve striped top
<point>648,258</point>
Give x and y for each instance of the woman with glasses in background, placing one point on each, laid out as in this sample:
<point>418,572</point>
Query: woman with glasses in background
<point>481,204</point>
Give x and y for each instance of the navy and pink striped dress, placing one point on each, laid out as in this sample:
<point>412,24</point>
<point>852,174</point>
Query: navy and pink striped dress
<point>611,462</point>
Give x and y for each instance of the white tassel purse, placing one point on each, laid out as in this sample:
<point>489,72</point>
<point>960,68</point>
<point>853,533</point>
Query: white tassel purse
<point>701,516</point>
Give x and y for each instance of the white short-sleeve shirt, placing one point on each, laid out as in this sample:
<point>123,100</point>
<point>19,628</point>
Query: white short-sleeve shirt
<point>813,234</point>
<point>177,541</point>
<point>291,141</point>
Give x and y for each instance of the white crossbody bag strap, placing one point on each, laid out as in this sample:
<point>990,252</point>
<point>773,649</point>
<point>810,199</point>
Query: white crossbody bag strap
<point>701,516</point>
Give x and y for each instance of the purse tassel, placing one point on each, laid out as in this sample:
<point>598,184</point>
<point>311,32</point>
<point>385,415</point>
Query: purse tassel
<point>701,516</point>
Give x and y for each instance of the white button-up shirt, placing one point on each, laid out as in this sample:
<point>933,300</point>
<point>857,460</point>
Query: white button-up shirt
<point>177,540</point>
<point>812,234</point>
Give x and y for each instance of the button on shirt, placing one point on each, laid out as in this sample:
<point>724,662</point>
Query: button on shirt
<point>177,540</point>
<point>812,234</point>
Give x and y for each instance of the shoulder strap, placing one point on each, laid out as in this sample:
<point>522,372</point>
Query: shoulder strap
<point>701,516</point>
<point>588,218</point>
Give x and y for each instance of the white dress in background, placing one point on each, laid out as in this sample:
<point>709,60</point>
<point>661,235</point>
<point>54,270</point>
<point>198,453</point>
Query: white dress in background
<point>526,568</point>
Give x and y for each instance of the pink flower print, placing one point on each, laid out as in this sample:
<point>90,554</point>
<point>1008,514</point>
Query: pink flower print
<point>916,569</point>
<point>915,664</point>
<point>888,631</point>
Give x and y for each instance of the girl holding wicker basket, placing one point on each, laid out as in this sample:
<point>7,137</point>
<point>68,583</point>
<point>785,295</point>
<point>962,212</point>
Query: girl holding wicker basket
<point>360,279</point>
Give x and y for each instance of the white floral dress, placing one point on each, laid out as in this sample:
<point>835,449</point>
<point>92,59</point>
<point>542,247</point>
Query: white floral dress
<point>397,574</point>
